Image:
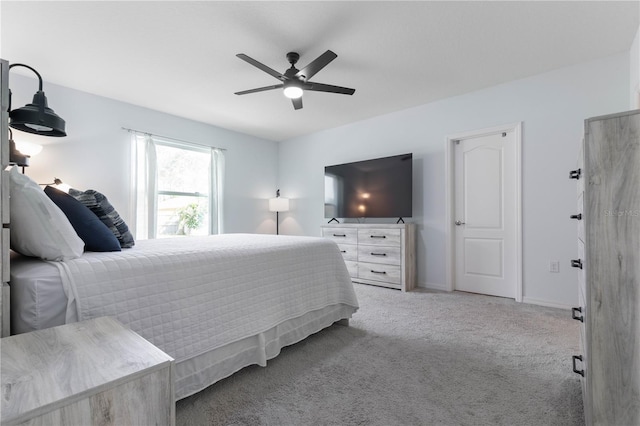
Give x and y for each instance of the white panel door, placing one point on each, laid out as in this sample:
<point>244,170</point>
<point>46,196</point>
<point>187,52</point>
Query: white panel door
<point>485,215</point>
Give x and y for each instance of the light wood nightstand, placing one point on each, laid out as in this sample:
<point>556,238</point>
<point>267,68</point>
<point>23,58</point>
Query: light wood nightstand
<point>87,373</point>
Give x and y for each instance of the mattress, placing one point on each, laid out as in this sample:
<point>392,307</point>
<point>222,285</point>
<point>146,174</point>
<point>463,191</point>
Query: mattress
<point>215,304</point>
<point>37,293</point>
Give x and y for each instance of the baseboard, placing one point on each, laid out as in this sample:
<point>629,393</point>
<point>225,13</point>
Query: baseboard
<point>547,303</point>
<point>530,300</point>
<point>433,286</point>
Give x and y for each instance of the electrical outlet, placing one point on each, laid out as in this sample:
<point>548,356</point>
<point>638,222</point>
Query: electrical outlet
<point>554,266</point>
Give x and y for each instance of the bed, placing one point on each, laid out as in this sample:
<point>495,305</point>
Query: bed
<point>215,304</point>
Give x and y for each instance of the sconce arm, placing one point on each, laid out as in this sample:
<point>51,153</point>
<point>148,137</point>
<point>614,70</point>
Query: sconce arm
<point>28,67</point>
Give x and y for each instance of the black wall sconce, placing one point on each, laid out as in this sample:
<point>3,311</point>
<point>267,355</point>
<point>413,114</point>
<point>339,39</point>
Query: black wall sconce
<point>36,117</point>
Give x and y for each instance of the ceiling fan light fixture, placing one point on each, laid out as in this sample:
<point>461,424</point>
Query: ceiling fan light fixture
<point>294,81</point>
<point>293,92</point>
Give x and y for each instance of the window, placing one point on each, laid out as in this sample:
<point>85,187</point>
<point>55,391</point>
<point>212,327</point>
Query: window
<point>177,188</point>
<point>332,192</point>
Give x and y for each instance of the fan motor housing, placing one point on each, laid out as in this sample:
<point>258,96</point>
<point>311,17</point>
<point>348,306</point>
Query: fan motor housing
<point>293,57</point>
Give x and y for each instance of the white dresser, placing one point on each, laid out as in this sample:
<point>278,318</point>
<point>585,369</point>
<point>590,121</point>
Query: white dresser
<point>93,372</point>
<point>608,263</point>
<point>377,254</point>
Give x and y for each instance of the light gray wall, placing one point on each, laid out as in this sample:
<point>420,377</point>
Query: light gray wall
<point>96,152</point>
<point>552,108</point>
<point>634,71</point>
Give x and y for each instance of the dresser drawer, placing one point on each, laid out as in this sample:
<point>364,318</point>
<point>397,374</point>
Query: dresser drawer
<point>352,267</point>
<point>5,243</point>
<point>378,272</point>
<point>349,251</point>
<point>379,237</point>
<point>341,235</point>
<point>379,254</point>
<point>579,210</point>
<point>583,313</point>
<point>582,272</point>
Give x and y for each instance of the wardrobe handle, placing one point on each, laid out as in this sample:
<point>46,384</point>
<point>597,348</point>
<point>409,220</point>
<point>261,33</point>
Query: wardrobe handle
<point>575,370</point>
<point>378,236</point>
<point>378,272</point>
<point>575,174</point>
<point>576,317</point>
<point>339,235</point>
<point>378,254</point>
<point>576,263</point>
<point>576,216</point>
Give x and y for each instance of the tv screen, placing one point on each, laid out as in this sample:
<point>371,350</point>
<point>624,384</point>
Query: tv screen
<point>381,188</point>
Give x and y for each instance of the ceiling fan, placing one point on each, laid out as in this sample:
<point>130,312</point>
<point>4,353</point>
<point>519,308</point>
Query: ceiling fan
<point>295,81</point>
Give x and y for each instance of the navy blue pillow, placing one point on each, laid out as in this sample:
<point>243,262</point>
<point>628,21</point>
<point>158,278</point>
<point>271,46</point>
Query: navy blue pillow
<point>94,233</point>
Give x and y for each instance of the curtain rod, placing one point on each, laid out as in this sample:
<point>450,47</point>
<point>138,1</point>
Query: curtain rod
<point>169,138</point>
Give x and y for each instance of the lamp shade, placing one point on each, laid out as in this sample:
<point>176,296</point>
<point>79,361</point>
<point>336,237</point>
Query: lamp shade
<point>29,149</point>
<point>37,118</point>
<point>278,204</point>
<point>16,157</point>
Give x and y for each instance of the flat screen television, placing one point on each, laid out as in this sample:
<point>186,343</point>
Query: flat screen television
<point>380,188</point>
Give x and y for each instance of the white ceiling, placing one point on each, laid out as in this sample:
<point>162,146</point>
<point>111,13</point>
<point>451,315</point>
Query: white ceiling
<point>179,57</point>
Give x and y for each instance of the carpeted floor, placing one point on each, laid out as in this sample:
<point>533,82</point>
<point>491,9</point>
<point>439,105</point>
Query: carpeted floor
<point>419,358</point>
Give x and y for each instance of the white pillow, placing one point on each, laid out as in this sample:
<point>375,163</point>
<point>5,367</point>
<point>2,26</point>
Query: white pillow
<point>38,227</point>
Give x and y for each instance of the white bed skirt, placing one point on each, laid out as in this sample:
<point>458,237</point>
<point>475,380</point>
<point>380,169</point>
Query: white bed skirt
<point>196,374</point>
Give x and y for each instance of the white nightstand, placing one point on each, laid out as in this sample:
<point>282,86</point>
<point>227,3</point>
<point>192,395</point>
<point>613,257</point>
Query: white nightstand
<point>86,373</point>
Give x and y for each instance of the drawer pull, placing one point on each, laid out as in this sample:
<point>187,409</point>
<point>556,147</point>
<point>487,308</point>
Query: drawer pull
<point>343,251</point>
<point>378,236</point>
<point>576,263</point>
<point>575,370</point>
<point>575,316</point>
<point>575,174</point>
<point>576,216</point>
<point>378,254</point>
<point>339,235</point>
<point>379,272</point>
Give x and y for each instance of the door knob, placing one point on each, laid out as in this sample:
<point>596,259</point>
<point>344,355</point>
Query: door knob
<point>457,222</point>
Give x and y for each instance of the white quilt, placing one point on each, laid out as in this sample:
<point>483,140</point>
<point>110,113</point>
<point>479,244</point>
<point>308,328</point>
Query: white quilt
<point>190,295</point>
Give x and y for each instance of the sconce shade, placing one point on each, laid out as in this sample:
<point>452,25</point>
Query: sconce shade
<point>16,157</point>
<point>29,149</point>
<point>37,118</point>
<point>278,204</point>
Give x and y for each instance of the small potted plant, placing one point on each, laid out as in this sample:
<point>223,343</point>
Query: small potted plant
<point>190,218</point>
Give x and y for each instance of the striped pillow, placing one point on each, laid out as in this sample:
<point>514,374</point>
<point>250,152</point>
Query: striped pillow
<point>98,204</point>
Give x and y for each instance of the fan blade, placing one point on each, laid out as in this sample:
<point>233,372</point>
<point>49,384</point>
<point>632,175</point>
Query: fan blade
<point>316,65</point>
<point>260,89</point>
<point>263,67</point>
<point>297,103</point>
<point>319,87</point>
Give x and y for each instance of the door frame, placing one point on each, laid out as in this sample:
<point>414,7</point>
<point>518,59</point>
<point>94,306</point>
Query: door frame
<point>450,199</point>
